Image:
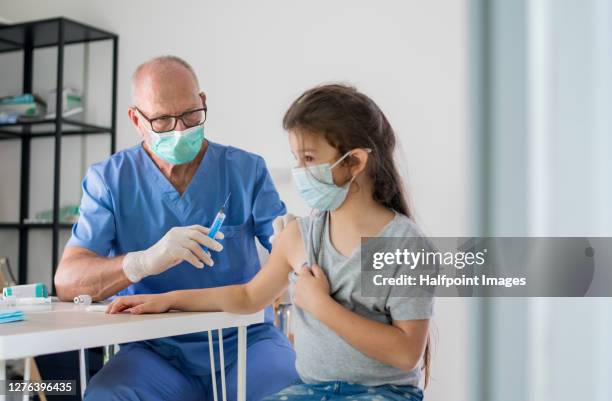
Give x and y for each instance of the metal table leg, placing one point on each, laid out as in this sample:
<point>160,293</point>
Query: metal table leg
<point>27,373</point>
<point>3,377</point>
<point>213,375</point>
<point>83,371</point>
<point>222,363</point>
<point>242,350</point>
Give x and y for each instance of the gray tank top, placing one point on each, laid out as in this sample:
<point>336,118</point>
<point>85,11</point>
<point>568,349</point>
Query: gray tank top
<point>322,355</point>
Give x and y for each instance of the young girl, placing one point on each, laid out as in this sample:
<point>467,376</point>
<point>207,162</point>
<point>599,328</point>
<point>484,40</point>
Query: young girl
<point>348,346</point>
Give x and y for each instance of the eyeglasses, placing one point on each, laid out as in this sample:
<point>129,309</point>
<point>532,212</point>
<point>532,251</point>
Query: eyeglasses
<point>168,123</point>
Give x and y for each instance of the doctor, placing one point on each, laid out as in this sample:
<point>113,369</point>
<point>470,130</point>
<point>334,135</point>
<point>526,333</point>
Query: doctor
<point>142,224</point>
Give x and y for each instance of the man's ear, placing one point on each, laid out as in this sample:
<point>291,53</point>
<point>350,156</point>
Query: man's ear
<point>134,117</point>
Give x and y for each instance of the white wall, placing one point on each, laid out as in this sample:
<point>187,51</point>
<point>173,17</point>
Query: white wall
<point>254,58</point>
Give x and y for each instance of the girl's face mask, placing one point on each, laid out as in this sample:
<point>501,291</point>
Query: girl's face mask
<point>316,186</point>
<point>178,147</point>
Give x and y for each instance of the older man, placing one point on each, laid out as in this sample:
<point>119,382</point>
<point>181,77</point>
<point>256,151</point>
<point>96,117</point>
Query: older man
<point>141,230</point>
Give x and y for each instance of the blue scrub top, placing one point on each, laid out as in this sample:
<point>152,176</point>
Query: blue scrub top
<point>128,205</point>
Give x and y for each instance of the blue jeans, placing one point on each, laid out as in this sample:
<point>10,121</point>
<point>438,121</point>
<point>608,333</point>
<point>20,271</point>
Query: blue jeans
<point>337,390</point>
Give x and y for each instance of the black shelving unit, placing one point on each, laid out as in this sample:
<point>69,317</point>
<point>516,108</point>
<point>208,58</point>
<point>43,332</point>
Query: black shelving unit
<point>27,37</point>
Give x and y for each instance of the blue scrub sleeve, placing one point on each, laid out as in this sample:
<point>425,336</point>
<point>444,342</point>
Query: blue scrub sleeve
<point>267,205</point>
<point>95,229</point>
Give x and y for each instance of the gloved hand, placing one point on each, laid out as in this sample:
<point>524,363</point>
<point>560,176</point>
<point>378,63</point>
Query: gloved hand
<point>179,244</point>
<point>279,225</point>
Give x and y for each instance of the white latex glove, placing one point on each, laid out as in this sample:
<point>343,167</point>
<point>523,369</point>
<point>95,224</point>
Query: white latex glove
<point>179,244</point>
<point>279,225</point>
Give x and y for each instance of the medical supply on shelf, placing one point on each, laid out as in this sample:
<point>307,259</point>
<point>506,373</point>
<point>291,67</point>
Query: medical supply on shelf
<point>72,102</point>
<point>8,117</point>
<point>218,221</point>
<point>83,299</point>
<point>38,290</point>
<point>25,106</point>
<point>67,214</point>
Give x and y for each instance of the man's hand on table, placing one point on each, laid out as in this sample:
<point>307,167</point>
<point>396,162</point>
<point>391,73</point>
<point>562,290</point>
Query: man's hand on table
<point>179,244</point>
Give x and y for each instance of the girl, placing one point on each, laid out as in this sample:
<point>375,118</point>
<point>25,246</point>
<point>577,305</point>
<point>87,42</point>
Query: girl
<point>348,346</point>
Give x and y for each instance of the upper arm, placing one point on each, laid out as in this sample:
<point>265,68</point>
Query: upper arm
<point>95,229</point>
<point>74,252</point>
<point>272,279</point>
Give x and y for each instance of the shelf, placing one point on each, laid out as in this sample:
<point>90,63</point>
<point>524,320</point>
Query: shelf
<point>45,33</point>
<point>47,128</point>
<point>26,38</point>
<point>33,225</point>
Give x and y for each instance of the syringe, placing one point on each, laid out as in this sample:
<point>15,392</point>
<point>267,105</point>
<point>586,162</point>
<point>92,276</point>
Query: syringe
<point>217,222</point>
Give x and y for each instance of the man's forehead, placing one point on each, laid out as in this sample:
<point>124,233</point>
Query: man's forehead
<point>156,103</point>
<point>169,97</point>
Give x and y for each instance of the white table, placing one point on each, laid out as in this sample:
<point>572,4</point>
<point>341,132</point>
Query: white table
<point>69,327</point>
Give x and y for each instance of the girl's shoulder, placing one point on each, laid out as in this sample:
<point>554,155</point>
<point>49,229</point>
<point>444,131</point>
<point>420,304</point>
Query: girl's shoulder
<point>312,227</point>
<point>403,226</point>
<point>313,217</point>
<point>400,226</point>
<point>407,233</point>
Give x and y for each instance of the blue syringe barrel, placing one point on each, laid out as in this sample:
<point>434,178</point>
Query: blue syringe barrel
<point>216,226</point>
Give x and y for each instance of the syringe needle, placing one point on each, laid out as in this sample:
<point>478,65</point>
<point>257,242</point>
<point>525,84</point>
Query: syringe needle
<point>226,199</point>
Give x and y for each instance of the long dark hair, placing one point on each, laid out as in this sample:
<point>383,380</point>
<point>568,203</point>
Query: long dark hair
<point>348,119</point>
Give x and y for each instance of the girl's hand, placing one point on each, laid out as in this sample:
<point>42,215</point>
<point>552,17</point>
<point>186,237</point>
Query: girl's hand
<point>138,304</point>
<point>311,289</point>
